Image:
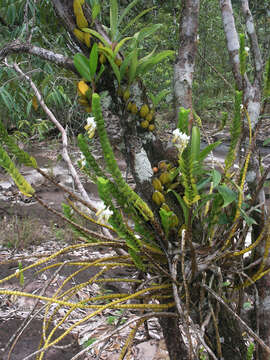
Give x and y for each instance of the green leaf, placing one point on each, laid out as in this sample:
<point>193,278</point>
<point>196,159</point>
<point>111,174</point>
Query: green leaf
<point>183,120</point>
<point>147,31</point>
<point>126,11</point>
<point>247,305</point>
<point>266,142</point>
<point>206,151</point>
<point>6,97</point>
<point>113,19</point>
<point>11,14</point>
<point>155,59</point>
<point>82,65</point>
<point>135,20</point>
<point>216,176</point>
<point>125,64</point>
<point>88,342</point>
<point>133,66</point>
<point>97,35</point>
<point>227,194</point>
<point>115,68</point>
<point>95,10</point>
<point>29,107</point>
<point>249,220</point>
<point>182,203</point>
<point>156,99</point>
<point>195,143</point>
<point>165,220</point>
<point>101,70</point>
<point>93,59</point>
<point>120,44</point>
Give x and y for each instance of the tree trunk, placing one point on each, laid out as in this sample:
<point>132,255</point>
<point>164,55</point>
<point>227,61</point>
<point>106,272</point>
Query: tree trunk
<point>185,62</point>
<point>173,339</point>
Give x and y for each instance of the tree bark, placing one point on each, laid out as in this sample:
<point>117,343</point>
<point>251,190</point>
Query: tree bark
<point>185,62</point>
<point>252,94</point>
<point>173,339</point>
<point>18,47</point>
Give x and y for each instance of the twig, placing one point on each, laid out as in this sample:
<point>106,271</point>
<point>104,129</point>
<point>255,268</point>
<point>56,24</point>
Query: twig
<point>237,317</point>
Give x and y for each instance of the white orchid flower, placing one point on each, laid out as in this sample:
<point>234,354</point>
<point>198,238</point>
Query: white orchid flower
<point>90,127</point>
<point>103,214</point>
<point>180,140</point>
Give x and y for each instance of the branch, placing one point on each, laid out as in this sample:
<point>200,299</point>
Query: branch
<point>255,50</point>
<point>18,47</point>
<point>64,137</point>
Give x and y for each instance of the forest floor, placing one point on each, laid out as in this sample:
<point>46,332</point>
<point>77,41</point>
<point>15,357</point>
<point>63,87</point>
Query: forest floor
<point>29,232</point>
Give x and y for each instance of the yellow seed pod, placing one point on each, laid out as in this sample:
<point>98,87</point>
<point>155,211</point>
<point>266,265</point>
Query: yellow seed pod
<point>119,91</point>
<point>165,207</point>
<point>157,184</point>
<point>82,88</point>
<point>149,117</point>
<point>102,59</point>
<point>83,101</point>
<point>165,178</point>
<point>87,39</point>
<point>162,165</point>
<point>88,109</point>
<point>133,108</point>
<point>129,105</point>
<point>78,11</point>
<point>144,124</point>
<point>151,127</point>
<point>35,103</point>
<point>144,111</point>
<point>158,198</point>
<point>118,61</point>
<point>81,21</point>
<point>77,7</point>
<point>79,34</point>
<point>126,95</point>
<point>174,220</point>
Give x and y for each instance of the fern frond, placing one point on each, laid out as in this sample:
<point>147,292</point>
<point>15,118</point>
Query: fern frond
<point>131,197</point>
<point>188,168</point>
<point>89,157</point>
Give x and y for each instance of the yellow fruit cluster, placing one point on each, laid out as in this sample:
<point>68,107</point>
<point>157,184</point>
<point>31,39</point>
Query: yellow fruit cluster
<point>78,11</point>
<point>146,114</point>
<point>85,95</point>
<point>81,23</point>
<point>160,184</point>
